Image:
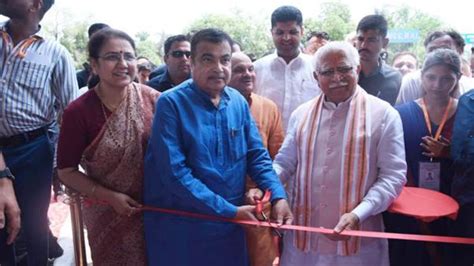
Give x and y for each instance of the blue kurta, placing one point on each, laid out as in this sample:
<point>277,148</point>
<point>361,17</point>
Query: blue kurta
<point>414,127</point>
<point>414,252</point>
<point>197,159</point>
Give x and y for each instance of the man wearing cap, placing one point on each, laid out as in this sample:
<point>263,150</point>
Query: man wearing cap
<point>36,74</point>
<point>177,54</point>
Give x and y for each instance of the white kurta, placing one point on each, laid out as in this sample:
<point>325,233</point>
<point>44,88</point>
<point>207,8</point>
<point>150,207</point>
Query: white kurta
<point>387,169</point>
<point>411,90</point>
<point>287,85</point>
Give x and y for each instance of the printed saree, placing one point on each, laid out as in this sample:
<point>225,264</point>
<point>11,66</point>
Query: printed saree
<point>114,159</point>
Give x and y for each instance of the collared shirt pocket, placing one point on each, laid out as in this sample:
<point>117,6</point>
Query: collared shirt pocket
<point>308,89</point>
<point>238,143</point>
<point>32,75</point>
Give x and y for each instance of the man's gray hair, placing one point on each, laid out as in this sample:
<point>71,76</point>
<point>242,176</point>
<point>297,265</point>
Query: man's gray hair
<point>336,47</point>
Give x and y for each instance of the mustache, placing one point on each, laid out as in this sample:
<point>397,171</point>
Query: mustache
<point>364,50</point>
<point>339,84</point>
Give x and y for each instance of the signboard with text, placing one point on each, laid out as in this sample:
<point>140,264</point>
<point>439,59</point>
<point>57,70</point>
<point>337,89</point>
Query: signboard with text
<point>403,35</point>
<point>468,38</point>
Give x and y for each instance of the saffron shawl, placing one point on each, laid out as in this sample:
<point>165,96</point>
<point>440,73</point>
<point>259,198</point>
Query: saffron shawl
<point>353,171</point>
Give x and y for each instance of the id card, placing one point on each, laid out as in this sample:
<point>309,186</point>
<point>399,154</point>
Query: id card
<point>429,177</point>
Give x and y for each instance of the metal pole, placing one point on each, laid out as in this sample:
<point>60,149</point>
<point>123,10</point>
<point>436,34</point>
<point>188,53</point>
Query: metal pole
<point>77,230</point>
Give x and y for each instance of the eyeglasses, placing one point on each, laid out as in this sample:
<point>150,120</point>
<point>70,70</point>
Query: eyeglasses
<point>117,57</point>
<point>179,54</point>
<point>331,72</point>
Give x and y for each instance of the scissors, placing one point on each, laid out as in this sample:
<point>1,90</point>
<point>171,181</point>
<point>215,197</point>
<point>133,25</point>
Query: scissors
<point>259,210</point>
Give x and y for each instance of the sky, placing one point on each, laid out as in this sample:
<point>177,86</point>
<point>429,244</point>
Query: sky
<point>172,16</point>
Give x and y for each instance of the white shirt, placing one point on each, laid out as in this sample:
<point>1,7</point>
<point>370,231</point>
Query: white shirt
<point>387,170</point>
<point>287,85</point>
<point>411,90</point>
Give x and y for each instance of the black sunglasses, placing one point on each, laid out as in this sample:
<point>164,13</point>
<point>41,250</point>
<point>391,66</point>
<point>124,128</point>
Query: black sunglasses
<point>179,54</point>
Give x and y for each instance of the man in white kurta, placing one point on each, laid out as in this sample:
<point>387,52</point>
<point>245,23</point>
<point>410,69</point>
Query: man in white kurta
<point>286,76</point>
<point>411,90</point>
<point>286,84</point>
<point>317,177</point>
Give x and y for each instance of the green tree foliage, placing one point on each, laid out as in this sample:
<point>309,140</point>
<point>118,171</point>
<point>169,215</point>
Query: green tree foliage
<point>72,36</point>
<point>148,47</point>
<point>333,18</point>
<point>75,40</point>
<point>252,33</point>
<point>405,17</point>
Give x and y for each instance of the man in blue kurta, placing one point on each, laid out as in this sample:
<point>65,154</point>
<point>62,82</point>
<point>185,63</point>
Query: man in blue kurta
<point>203,144</point>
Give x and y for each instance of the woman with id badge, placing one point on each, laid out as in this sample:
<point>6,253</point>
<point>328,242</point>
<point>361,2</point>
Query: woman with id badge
<point>427,126</point>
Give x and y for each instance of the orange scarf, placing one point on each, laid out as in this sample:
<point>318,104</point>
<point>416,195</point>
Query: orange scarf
<point>354,170</point>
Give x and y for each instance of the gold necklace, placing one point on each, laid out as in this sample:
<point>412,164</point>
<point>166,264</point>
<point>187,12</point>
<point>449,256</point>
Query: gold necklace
<point>103,111</point>
<point>102,99</point>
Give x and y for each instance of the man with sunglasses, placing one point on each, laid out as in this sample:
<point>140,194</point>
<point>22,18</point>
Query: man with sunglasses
<point>178,65</point>
<point>35,76</point>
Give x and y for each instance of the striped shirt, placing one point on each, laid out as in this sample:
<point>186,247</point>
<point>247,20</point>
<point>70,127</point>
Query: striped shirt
<point>37,79</point>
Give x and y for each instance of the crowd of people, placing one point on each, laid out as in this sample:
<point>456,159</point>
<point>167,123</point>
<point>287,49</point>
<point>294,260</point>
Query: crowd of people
<point>330,130</point>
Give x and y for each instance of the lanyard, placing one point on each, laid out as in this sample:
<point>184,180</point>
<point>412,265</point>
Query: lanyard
<point>23,46</point>
<point>428,121</point>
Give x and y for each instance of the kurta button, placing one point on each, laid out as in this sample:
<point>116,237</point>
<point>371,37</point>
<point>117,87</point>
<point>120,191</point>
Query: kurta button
<point>325,170</point>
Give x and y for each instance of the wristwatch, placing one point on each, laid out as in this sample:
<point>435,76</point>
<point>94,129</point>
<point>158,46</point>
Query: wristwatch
<point>6,173</point>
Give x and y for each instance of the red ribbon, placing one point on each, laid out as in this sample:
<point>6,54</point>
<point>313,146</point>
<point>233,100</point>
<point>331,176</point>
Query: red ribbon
<point>277,235</point>
<point>321,230</point>
<point>261,202</point>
